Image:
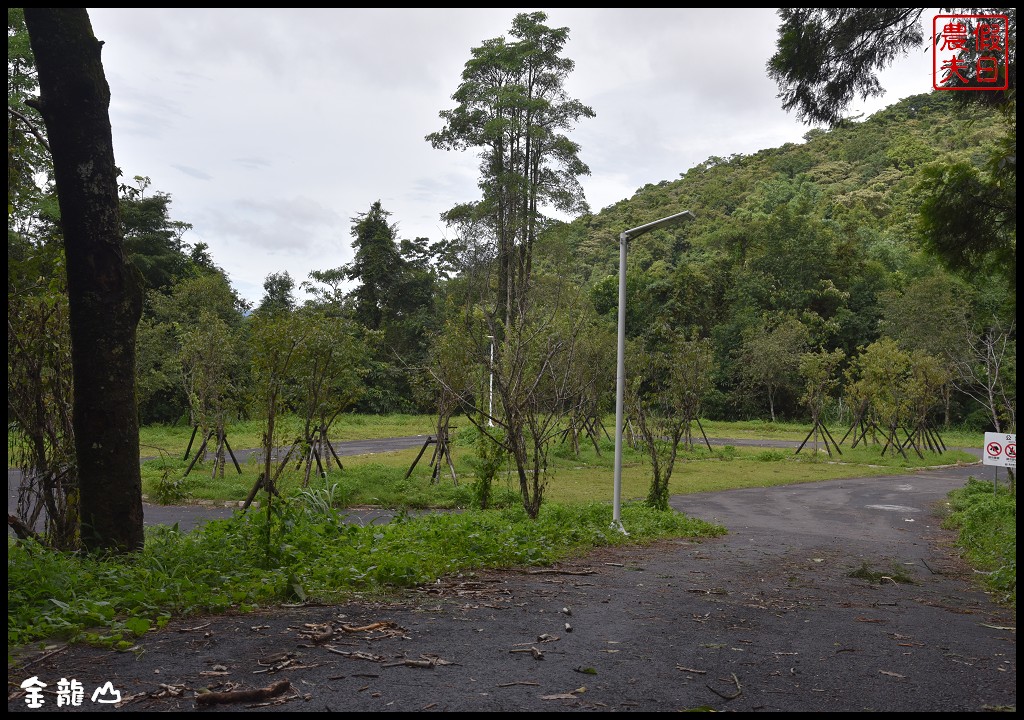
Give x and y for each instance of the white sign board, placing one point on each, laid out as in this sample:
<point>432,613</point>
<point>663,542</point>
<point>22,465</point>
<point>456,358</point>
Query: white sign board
<point>1000,449</point>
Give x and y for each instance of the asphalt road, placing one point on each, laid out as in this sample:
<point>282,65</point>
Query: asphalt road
<point>772,616</point>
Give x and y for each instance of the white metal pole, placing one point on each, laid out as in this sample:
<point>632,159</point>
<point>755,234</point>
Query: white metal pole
<point>620,372</point>
<point>491,389</point>
<point>620,384</point>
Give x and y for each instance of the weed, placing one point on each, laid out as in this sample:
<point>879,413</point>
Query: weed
<point>986,518</point>
<point>320,501</point>
<point>229,564</point>
<point>896,575</point>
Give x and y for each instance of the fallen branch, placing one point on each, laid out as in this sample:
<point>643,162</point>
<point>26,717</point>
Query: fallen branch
<point>425,661</point>
<point>549,571</point>
<point>686,669</point>
<point>229,696</point>
<point>537,654</point>
<point>193,629</point>
<point>371,626</point>
<point>735,695</point>
<point>22,530</point>
<point>518,682</point>
<point>320,633</point>
<point>355,654</point>
<point>54,652</point>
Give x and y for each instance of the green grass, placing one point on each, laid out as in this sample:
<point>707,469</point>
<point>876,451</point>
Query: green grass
<point>986,518</point>
<point>229,564</point>
<point>379,479</point>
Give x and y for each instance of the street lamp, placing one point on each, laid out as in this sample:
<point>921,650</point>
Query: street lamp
<point>490,388</point>
<point>620,379</point>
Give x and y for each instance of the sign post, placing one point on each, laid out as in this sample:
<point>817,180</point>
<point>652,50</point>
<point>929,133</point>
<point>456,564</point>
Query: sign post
<point>1000,450</point>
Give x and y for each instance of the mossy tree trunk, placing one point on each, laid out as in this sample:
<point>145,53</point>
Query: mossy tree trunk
<point>104,290</point>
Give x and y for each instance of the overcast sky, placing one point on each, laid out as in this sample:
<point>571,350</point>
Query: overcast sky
<point>272,129</point>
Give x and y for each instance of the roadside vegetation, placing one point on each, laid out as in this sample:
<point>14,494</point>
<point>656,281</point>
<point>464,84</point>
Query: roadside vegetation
<point>380,479</point>
<point>302,550</point>
<point>985,515</point>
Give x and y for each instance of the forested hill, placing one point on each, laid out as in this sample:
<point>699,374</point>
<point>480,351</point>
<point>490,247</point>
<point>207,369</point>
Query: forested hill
<point>823,234</point>
<point>860,180</point>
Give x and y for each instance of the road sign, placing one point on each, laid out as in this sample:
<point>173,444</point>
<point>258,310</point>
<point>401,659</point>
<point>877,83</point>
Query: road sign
<point>1000,450</point>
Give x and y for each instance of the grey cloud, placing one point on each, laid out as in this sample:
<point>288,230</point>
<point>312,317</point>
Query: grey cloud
<point>193,172</point>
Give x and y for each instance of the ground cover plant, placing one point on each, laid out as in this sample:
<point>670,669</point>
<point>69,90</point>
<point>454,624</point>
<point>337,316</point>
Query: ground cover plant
<point>301,551</point>
<point>985,515</point>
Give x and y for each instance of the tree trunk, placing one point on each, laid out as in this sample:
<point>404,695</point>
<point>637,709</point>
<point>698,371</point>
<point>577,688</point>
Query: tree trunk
<point>104,291</point>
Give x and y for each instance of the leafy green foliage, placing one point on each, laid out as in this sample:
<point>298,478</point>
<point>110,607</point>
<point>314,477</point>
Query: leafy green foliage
<point>394,299</point>
<point>216,568</point>
<point>826,56</point>
<point>152,240</point>
<point>278,293</point>
<point>968,219</point>
<point>986,518</point>
<point>491,456</point>
<point>513,110</point>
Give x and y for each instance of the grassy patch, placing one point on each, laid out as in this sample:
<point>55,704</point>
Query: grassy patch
<point>313,554</point>
<point>379,479</point>
<point>986,518</point>
<point>895,574</point>
<point>301,550</point>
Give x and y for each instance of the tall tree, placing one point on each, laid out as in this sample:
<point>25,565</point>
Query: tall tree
<point>152,240</point>
<point>771,357</point>
<point>664,397</point>
<point>513,109</point>
<point>277,293</point>
<point>374,267</point>
<point>104,291</point>
<point>394,296</point>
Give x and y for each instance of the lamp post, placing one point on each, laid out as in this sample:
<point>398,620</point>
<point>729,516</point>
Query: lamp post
<point>490,388</point>
<point>620,377</point>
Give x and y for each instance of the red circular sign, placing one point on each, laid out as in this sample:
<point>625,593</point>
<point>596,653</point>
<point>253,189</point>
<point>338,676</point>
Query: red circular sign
<point>994,449</point>
<point>1011,451</point>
